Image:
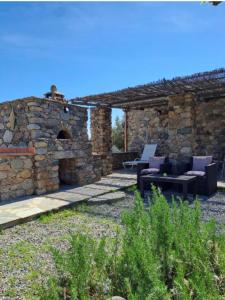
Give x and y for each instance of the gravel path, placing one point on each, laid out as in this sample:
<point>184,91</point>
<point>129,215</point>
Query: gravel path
<point>25,261</point>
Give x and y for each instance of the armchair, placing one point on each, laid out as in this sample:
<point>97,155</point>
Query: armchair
<point>163,168</point>
<point>206,172</point>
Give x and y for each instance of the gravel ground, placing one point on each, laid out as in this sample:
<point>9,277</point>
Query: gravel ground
<point>25,261</point>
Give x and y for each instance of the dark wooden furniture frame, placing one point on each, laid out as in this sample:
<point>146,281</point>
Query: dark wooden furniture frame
<point>183,180</point>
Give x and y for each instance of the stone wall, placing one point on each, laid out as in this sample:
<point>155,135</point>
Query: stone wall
<point>148,126</point>
<point>210,128</point>
<point>181,125</point>
<point>54,154</point>
<point>16,177</point>
<point>25,120</point>
<point>101,134</point>
<point>184,127</point>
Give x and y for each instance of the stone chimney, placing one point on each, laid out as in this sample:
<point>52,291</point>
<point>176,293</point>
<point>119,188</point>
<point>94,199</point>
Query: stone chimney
<point>54,94</point>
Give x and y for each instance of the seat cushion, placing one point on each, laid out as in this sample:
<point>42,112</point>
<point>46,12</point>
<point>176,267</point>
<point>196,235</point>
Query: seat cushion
<point>156,161</point>
<point>149,171</point>
<point>200,162</point>
<point>195,173</point>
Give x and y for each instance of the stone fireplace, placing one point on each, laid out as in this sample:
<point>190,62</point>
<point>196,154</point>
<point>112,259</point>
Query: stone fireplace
<point>44,143</point>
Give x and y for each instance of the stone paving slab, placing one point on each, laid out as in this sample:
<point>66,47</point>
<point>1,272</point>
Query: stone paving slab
<point>99,186</point>
<point>107,198</point>
<point>28,208</point>
<point>87,191</point>
<point>69,196</point>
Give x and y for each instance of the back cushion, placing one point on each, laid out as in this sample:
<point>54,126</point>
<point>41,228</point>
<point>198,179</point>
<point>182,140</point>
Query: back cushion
<point>156,161</point>
<point>200,162</point>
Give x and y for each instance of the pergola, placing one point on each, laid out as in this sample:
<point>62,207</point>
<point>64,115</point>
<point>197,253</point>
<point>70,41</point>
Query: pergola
<point>205,85</point>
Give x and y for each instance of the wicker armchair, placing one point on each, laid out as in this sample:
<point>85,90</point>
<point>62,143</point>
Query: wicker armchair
<point>207,179</point>
<point>164,168</point>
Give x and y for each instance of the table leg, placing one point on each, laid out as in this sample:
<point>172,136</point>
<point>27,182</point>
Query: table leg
<point>185,190</point>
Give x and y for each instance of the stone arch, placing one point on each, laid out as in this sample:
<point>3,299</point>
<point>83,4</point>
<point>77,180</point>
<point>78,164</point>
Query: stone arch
<point>63,135</point>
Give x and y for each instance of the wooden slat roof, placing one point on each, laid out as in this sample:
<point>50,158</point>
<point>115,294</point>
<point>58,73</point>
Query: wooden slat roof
<point>205,84</point>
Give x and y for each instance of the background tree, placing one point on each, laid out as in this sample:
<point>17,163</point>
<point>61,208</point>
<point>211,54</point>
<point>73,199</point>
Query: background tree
<point>118,134</point>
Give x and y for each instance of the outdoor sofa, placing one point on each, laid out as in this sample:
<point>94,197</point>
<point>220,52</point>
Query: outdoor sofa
<point>202,167</point>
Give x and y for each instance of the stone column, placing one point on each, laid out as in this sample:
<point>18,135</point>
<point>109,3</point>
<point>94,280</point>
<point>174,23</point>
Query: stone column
<point>101,133</point>
<point>181,125</point>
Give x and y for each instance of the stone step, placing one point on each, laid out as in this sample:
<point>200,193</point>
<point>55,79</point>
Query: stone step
<point>107,198</point>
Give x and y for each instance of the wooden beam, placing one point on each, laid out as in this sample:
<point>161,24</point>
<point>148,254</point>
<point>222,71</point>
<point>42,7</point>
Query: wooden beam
<point>126,131</point>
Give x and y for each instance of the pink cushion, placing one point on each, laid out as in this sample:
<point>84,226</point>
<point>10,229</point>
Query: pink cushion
<point>200,162</point>
<point>195,173</point>
<point>156,161</point>
<point>149,171</point>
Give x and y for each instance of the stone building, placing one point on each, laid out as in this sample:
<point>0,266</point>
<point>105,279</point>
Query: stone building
<point>43,143</point>
<point>185,116</point>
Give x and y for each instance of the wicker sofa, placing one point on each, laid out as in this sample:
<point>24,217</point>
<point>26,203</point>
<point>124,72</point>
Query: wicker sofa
<point>206,173</point>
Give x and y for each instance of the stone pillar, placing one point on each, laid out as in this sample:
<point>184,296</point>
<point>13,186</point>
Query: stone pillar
<point>101,133</point>
<point>181,125</point>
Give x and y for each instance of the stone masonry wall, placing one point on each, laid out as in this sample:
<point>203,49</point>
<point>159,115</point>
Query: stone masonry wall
<point>49,153</point>
<point>101,133</point>
<point>185,127</point>
<point>148,126</point>
<point>36,123</point>
<point>119,158</point>
<point>210,128</point>
<point>16,177</point>
<point>28,119</point>
<point>181,125</point>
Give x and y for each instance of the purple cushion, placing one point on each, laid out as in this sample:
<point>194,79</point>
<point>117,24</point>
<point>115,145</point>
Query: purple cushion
<point>149,171</point>
<point>156,161</point>
<point>200,162</point>
<point>195,173</point>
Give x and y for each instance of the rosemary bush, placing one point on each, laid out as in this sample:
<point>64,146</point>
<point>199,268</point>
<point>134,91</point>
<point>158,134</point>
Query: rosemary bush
<point>165,252</point>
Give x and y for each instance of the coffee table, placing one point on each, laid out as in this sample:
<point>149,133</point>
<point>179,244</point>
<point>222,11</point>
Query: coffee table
<point>183,180</point>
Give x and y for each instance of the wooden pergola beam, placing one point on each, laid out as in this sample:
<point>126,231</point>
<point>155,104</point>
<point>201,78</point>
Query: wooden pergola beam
<point>199,83</point>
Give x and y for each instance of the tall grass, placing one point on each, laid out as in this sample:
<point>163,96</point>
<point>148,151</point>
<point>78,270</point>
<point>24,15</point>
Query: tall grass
<point>165,252</point>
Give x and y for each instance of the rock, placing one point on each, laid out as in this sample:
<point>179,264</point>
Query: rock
<point>3,175</point>
<point>17,163</point>
<point>28,163</point>
<point>5,167</point>
<point>40,144</point>
<point>25,173</point>
<point>7,137</point>
<point>117,298</point>
<point>41,151</point>
<point>33,126</point>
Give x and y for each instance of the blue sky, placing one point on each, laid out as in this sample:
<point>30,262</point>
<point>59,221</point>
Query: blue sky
<point>93,47</point>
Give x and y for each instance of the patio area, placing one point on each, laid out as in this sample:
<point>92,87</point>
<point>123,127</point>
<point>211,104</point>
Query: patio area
<point>104,191</point>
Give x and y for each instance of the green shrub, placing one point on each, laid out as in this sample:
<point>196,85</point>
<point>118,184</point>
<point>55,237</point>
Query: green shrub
<point>165,252</point>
